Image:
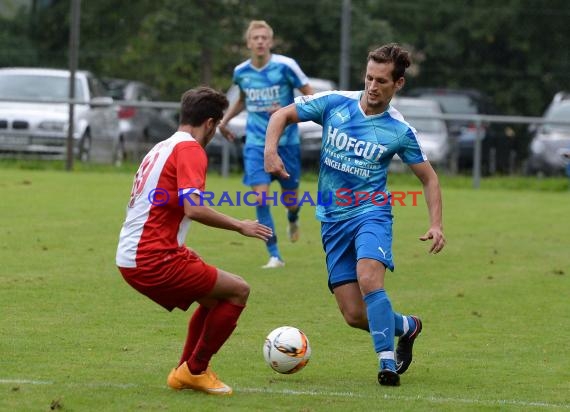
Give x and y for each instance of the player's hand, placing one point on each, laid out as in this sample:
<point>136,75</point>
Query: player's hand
<point>227,133</point>
<point>274,165</point>
<point>438,239</point>
<point>252,228</point>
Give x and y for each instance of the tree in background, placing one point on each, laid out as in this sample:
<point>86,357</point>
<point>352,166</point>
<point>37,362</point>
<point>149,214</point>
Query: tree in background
<point>516,51</point>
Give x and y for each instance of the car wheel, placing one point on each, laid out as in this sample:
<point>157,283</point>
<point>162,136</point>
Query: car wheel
<point>119,155</point>
<point>85,147</point>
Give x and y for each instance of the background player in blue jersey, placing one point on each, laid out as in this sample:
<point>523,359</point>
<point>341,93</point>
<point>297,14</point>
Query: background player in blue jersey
<point>267,82</point>
<point>361,134</point>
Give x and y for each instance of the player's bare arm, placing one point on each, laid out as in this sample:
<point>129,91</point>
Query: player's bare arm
<point>306,89</point>
<point>232,112</point>
<point>432,192</point>
<point>277,123</point>
<point>210,217</point>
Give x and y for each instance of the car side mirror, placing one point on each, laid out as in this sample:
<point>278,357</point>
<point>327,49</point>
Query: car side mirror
<point>102,101</point>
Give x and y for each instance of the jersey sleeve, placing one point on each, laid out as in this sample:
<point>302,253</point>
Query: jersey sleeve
<point>191,169</point>
<point>295,75</point>
<point>410,149</point>
<point>311,107</point>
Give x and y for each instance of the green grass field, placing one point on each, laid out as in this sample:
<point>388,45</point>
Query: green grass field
<point>76,337</point>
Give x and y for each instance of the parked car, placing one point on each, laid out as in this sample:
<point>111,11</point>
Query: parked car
<point>550,143</point>
<point>40,126</point>
<point>141,126</point>
<point>310,132</point>
<point>432,131</point>
<point>464,132</point>
<point>556,99</point>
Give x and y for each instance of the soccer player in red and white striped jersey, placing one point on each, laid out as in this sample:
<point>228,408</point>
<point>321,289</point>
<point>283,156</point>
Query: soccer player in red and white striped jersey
<point>152,256</point>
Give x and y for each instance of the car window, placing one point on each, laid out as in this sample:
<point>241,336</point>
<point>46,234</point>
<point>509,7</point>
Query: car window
<point>96,88</point>
<point>559,113</point>
<point>41,87</point>
<point>426,125</point>
<point>116,92</point>
<point>422,124</point>
<point>146,94</point>
<point>454,103</point>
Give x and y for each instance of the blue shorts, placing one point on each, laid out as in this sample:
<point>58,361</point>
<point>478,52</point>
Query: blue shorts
<point>255,173</point>
<point>366,236</point>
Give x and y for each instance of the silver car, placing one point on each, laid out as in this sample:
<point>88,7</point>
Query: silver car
<point>550,143</point>
<point>38,126</point>
<point>310,132</point>
<point>433,135</point>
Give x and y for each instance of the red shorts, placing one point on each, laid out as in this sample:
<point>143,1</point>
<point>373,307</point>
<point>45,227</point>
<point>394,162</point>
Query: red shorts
<point>176,282</point>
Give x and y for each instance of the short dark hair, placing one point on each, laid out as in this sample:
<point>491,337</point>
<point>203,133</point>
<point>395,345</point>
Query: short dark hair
<point>199,104</point>
<point>392,53</point>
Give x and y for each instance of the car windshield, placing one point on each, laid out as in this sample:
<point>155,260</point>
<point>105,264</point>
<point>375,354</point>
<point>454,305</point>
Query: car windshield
<point>454,103</point>
<point>421,124</point>
<point>560,113</point>
<point>41,87</point>
<point>425,125</point>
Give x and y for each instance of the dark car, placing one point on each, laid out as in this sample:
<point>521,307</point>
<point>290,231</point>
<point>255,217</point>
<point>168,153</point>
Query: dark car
<point>141,127</point>
<point>463,132</point>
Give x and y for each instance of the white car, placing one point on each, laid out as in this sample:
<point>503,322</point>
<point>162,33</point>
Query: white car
<point>38,126</point>
<point>549,150</point>
<point>432,132</point>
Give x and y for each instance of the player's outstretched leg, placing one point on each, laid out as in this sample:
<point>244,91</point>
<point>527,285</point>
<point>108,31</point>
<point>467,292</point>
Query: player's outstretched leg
<point>406,344</point>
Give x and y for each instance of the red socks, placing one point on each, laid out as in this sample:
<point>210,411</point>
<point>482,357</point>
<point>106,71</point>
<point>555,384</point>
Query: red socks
<point>195,327</point>
<point>218,323</point>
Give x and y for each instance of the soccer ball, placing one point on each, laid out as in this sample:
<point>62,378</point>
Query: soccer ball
<point>286,350</point>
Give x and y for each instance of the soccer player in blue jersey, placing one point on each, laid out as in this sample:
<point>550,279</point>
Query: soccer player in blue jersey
<point>267,82</point>
<point>361,134</point>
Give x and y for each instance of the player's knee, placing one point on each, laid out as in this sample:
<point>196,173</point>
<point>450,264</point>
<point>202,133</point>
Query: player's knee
<point>356,319</point>
<point>241,291</point>
<point>370,280</point>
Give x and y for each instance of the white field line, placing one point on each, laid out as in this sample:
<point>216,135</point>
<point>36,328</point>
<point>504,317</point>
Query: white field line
<point>432,399</point>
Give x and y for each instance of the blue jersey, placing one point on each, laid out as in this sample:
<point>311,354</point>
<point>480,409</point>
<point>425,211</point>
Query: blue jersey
<point>356,151</point>
<point>266,90</point>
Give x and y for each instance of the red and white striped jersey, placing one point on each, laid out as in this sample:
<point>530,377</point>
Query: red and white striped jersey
<point>155,225</point>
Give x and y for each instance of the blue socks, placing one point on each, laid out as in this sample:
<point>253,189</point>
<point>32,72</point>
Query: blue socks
<point>381,322</point>
<point>398,324</point>
<point>403,324</point>
<point>293,216</point>
<point>264,216</point>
